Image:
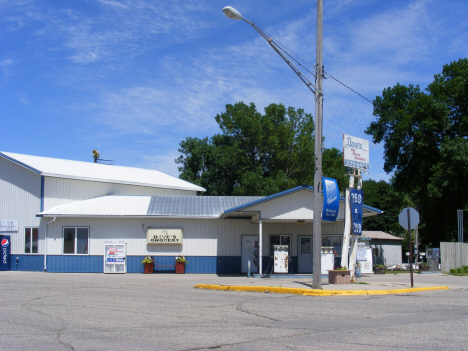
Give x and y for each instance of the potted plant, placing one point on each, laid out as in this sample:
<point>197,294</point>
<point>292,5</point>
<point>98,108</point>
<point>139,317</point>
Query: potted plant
<point>379,269</point>
<point>423,267</point>
<point>148,262</point>
<point>340,275</point>
<point>180,263</point>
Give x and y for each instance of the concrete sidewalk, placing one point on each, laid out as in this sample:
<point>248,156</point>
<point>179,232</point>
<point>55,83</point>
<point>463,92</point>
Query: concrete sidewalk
<point>368,284</point>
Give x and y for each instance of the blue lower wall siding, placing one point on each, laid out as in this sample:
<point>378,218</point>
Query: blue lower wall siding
<point>94,264</point>
<point>196,264</point>
<point>75,264</point>
<point>31,263</point>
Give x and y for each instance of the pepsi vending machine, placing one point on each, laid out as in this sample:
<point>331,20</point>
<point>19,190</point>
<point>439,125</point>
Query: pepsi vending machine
<point>5,254</point>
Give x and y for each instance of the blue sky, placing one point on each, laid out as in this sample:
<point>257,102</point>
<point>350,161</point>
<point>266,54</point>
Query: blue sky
<point>134,78</point>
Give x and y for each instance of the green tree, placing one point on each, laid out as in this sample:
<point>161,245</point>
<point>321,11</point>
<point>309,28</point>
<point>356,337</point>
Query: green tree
<point>425,136</point>
<point>383,196</point>
<point>257,154</point>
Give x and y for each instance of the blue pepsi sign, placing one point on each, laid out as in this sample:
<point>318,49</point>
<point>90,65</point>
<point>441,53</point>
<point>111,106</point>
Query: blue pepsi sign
<point>5,253</point>
<point>331,199</point>
<point>356,198</point>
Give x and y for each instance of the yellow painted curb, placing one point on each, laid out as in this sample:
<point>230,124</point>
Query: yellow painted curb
<point>313,292</point>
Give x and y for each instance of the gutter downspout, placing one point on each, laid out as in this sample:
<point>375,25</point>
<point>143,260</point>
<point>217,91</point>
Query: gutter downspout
<point>45,244</point>
<point>260,244</point>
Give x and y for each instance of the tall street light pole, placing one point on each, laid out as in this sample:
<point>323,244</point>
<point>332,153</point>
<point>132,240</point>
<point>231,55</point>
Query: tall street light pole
<point>317,90</point>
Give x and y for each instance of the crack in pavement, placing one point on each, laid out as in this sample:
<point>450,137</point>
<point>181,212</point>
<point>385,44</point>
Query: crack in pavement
<point>61,320</point>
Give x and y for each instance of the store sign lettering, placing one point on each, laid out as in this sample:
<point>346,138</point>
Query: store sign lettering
<point>164,239</point>
<point>164,236</point>
<point>8,225</point>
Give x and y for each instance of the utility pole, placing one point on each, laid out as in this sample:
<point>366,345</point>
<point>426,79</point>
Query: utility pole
<point>317,235</point>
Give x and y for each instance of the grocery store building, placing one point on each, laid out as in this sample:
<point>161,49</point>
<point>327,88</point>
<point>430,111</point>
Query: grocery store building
<point>59,215</point>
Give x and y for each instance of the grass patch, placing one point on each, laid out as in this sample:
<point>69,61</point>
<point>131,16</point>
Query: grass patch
<point>359,283</point>
<point>459,271</point>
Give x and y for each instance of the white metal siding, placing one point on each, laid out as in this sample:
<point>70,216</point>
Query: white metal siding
<point>295,206</point>
<point>202,237</point>
<point>298,205</point>
<point>60,191</point>
<point>20,199</point>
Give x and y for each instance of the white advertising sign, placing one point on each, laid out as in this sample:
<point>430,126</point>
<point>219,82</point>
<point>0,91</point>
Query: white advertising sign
<point>356,152</point>
<point>164,236</point>
<point>115,257</point>
<point>8,225</point>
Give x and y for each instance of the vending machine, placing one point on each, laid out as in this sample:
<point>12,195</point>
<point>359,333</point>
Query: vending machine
<point>5,254</point>
<point>115,257</point>
<point>281,258</point>
<point>327,259</point>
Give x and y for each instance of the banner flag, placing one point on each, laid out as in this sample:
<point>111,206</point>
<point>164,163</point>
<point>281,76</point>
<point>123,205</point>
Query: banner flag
<point>331,199</point>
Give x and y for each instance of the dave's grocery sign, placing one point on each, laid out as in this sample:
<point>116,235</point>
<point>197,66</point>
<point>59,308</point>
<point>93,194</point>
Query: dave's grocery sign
<point>156,236</point>
<point>356,152</point>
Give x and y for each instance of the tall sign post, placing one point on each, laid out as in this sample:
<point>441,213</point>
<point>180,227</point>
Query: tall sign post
<point>355,156</point>
<point>460,225</point>
<point>409,219</point>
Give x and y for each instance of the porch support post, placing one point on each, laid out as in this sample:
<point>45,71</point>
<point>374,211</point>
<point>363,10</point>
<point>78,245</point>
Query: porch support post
<point>347,226</point>
<point>352,259</point>
<point>260,246</point>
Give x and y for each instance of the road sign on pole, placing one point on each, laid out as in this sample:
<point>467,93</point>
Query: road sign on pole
<point>409,219</point>
<point>409,216</point>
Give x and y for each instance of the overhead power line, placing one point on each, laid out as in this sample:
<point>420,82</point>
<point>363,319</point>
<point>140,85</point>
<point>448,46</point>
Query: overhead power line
<point>291,54</point>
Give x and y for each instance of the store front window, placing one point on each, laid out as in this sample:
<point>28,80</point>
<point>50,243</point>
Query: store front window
<point>75,240</point>
<point>31,238</point>
<point>333,240</point>
<point>280,240</point>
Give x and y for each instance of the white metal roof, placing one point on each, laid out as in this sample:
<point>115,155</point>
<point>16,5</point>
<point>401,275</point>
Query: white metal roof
<point>153,206</point>
<point>111,205</point>
<point>54,167</point>
<point>379,235</point>
<point>159,206</point>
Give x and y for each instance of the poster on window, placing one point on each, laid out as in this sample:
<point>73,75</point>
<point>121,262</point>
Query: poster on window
<point>305,246</point>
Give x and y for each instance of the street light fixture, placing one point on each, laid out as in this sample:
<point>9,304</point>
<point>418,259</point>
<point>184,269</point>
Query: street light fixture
<point>317,90</point>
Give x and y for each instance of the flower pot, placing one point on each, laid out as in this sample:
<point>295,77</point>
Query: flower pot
<point>424,268</point>
<point>149,267</point>
<point>339,277</point>
<point>180,268</point>
<point>379,270</point>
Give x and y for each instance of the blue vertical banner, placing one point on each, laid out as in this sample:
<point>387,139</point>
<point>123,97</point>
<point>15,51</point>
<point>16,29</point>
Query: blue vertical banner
<point>5,253</point>
<point>331,199</point>
<point>356,198</point>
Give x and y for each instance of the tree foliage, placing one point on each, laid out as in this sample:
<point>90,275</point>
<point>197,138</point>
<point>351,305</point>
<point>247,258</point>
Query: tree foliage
<point>257,154</point>
<point>425,136</point>
<point>382,195</point>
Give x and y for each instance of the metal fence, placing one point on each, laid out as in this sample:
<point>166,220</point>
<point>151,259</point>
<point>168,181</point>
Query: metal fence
<point>453,255</point>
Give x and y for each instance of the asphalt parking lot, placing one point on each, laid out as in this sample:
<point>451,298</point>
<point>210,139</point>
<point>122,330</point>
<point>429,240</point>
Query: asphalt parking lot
<point>47,311</point>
